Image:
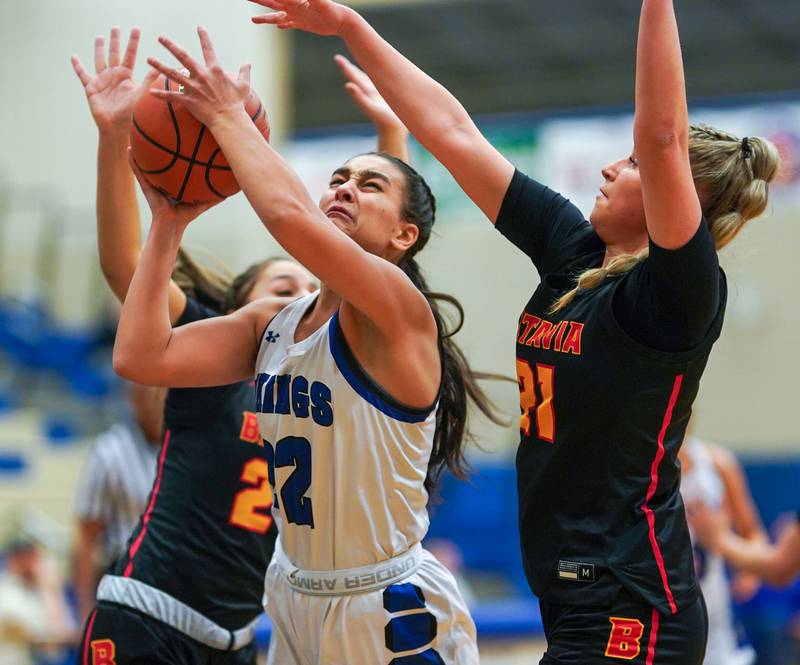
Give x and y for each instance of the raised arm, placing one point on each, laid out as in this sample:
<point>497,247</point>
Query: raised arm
<point>112,93</point>
<point>147,348</point>
<point>373,286</point>
<point>777,564</point>
<point>661,129</point>
<point>392,133</point>
<point>435,118</point>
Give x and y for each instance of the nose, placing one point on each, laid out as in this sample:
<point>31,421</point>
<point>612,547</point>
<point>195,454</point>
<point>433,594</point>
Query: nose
<point>609,171</point>
<point>344,192</point>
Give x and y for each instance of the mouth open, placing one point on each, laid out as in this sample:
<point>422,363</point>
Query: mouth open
<point>337,211</point>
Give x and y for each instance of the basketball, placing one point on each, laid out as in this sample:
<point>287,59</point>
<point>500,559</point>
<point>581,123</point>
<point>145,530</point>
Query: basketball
<point>177,153</point>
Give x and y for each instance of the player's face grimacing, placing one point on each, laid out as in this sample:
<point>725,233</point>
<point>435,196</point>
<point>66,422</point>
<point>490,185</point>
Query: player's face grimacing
<point>365,199</point>
<point>618,213</point>
<point>286,279</point>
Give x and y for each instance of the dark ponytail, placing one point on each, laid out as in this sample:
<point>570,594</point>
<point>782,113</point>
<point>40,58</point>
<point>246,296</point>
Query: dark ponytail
<point>459,382</point>
<point>207,286</point>
<point>216,289</point>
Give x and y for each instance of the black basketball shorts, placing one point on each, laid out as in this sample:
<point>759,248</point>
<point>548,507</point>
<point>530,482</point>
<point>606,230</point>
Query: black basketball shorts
<point>627,631</point>
<point>117,635</point>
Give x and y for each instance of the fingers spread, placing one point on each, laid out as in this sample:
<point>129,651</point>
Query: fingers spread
<point>180,54</point>
<point>355,92</point>
<point>99,53</point>
<point>83,75</point>
<point>167,95</point>
<point>171,73</point>
<point>148,80</point>
<point>207,47</point>
<point>275,18</point>
<point>272,4</point>
<point>353,73</point>
<point>113,48</point>
<point>129,60</point>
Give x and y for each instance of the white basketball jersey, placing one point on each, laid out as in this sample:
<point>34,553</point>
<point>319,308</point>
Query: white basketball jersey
<point>348,463</point>
<point>703,483</point>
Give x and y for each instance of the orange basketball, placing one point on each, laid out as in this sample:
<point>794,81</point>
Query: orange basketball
<point>178,154</point>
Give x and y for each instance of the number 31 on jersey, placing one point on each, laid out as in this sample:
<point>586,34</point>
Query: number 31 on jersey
<point>530,380</point>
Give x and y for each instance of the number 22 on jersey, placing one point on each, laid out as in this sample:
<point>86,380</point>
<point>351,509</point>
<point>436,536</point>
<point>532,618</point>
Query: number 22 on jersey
<point>530,379</point>
<point>251,505</point>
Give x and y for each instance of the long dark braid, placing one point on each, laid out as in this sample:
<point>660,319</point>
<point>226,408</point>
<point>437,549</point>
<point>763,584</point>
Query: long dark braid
<point>459,382</point>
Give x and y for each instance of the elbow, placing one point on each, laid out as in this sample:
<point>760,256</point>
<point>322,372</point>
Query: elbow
<point>128,364</point>
<point>122,362</point>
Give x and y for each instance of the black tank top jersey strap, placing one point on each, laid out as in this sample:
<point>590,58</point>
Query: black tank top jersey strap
<point>602,419</point>
<point>207,535</point>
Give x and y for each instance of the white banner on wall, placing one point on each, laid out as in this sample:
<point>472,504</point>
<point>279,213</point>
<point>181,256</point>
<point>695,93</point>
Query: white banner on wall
<point>565,153</point>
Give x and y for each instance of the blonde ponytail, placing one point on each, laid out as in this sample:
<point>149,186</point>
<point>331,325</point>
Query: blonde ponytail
<point>732,176</point>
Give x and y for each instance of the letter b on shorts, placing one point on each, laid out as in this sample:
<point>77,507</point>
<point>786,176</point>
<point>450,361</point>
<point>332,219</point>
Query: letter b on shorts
<point>103,652</point>
<point>624,641</point>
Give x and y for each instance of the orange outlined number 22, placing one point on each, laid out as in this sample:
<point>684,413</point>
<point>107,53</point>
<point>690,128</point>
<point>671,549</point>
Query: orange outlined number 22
<point>251,505</point>
<point>529,379</point>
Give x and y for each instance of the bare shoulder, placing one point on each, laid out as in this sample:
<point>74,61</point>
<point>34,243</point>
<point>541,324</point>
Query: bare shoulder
<point>260,312</point>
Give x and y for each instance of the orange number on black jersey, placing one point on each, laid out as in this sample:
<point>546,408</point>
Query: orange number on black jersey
<point>248,502</point>
<point>529,402</point>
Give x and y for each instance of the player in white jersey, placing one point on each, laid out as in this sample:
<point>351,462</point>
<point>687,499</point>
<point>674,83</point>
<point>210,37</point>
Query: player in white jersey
<point>711,475</point>
<point>360,392</point>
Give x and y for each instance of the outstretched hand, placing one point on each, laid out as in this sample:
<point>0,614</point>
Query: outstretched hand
<point>366,96</point>
<point>112,91</point>
<point>322,17</point>
<point>207,91</point>
<point>164,209</point>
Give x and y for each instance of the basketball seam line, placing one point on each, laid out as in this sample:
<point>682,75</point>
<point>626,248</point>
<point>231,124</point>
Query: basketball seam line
<point>192,162</point>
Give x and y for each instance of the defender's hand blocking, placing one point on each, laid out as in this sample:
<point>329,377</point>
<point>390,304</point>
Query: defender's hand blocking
<point>112,91</point>
<point>366,96</point>
<point>208,92</point>
<point>321,17</point>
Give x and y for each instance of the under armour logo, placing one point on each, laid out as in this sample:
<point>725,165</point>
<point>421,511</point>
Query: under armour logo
<point>272,337</point>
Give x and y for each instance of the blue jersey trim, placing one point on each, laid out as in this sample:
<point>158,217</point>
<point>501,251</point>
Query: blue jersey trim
<point>360,381</point>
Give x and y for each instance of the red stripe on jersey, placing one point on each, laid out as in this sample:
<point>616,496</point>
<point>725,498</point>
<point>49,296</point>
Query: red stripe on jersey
<point>147,513</point>
<point>651,518</point>
<point>651,646</point>
<point>87,638</point>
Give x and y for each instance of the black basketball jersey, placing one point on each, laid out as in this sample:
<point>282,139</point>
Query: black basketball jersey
<point>206,536</point>
<point>602,419</point>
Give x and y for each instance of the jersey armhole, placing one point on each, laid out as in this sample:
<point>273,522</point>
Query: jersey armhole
<point>364,385</point>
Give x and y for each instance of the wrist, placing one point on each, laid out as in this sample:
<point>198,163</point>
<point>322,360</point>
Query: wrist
<point>116,135</point>
<point>227,117</point>
<point>393,128</point>
<point>349,23</point>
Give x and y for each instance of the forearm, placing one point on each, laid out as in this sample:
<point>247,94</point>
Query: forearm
<point>426,107</point>
<point>144,329</point>
<point>86,577</point>
<point>118,224</point>
<point>274,191</point>
<point>776,564</point>
<point>393,140</point>
<point>661,109</point>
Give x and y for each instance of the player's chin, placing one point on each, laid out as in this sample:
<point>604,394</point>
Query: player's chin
<point>598,213</point>
<point>343,223</point>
